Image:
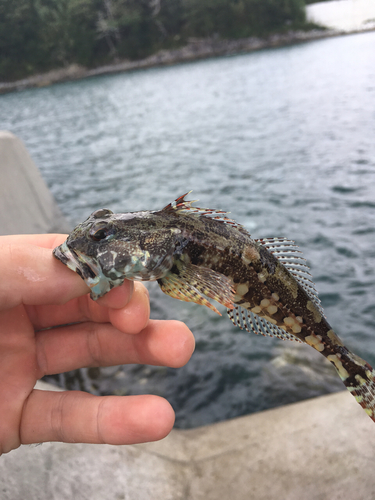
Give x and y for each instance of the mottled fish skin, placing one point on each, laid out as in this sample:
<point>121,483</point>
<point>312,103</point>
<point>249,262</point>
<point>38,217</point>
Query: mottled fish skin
<point>196,253</point>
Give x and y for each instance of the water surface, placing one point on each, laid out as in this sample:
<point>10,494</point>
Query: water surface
<point>284,139</point>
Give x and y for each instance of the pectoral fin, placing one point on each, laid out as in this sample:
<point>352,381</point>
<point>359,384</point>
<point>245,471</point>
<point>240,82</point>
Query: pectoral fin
<point>192,283</point>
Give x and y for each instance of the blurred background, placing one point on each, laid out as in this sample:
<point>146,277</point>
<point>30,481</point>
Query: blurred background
<point>282,138</point>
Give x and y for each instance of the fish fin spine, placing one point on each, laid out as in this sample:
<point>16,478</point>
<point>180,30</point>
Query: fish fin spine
<point>182,206</point>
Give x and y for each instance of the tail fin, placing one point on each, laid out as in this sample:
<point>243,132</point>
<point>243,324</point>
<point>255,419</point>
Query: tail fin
<point>358,377</point>
<point>364,391</point>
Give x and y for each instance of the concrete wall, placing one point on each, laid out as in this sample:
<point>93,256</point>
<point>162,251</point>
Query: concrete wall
<point>319,449</point>
<point>26,204</point>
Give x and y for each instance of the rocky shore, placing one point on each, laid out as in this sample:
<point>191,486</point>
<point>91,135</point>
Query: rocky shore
<point>195,49</point>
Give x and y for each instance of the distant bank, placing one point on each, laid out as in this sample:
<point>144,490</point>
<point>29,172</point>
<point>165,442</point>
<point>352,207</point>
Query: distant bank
<point>343,15</point>
<point>196,49</point>
<point>338,16</point>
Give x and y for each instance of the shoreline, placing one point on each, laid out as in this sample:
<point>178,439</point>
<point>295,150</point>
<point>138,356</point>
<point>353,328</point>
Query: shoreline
<point>195,49</point>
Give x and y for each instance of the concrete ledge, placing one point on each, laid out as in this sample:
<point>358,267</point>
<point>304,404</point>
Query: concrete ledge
<point>314,450</point>
<point>26,204</point>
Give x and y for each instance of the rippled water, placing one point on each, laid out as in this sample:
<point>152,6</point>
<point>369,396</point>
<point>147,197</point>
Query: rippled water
<point>282,138</point>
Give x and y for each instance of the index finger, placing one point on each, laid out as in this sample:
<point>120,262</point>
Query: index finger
<point>50,240</point>
<point>32,276</point>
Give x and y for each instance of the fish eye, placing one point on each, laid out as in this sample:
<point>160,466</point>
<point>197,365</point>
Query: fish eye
<point>99,232</point>
<point>102,212</point>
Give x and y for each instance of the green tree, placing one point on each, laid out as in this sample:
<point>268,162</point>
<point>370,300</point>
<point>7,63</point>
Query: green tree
<point>205,18</point>
<point>172,16</point>
<point>69,30</point>
<point>130,27</point>
<point>241,18</point>
<point>19,38</point>
<point>37,35</point>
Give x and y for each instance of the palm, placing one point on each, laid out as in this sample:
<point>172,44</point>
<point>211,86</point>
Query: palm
<point>36,293</point>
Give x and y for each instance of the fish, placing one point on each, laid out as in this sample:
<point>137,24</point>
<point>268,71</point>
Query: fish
<point>196,254</point>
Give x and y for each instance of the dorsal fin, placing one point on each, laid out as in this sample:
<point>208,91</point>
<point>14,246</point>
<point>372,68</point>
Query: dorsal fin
<point>288,253</point>
<point>181,206</point>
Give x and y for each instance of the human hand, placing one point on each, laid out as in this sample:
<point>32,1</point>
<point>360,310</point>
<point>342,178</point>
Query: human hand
<point>36,292</point>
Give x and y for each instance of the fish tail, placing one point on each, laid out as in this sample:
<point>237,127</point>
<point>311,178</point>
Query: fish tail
<point>364,391</point>
<point>358,377</point>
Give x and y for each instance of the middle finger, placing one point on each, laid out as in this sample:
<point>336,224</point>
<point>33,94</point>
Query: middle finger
<point>130,296</point>
<point>164,343</point>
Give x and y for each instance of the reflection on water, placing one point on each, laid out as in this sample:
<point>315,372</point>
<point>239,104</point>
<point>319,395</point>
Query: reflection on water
<point>284,139</point>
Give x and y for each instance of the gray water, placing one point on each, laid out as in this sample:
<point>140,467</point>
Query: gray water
<point>284,139</point>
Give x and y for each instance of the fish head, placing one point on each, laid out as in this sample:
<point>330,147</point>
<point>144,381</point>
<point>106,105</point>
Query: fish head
<point>108,248</point>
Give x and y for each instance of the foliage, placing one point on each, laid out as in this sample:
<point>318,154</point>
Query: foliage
<point>241,18</point>
<point>37,35</point>
<point>19,36</point>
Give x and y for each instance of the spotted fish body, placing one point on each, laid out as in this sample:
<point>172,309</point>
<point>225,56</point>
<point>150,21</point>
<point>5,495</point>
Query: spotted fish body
<point>196,254</point>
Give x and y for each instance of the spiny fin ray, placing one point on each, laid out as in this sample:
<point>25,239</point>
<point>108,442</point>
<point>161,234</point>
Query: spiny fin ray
<point>181,206</point>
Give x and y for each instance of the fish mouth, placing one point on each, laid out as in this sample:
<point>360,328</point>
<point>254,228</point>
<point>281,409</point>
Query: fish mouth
<point>86,268</point>
<point>77,262</point>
